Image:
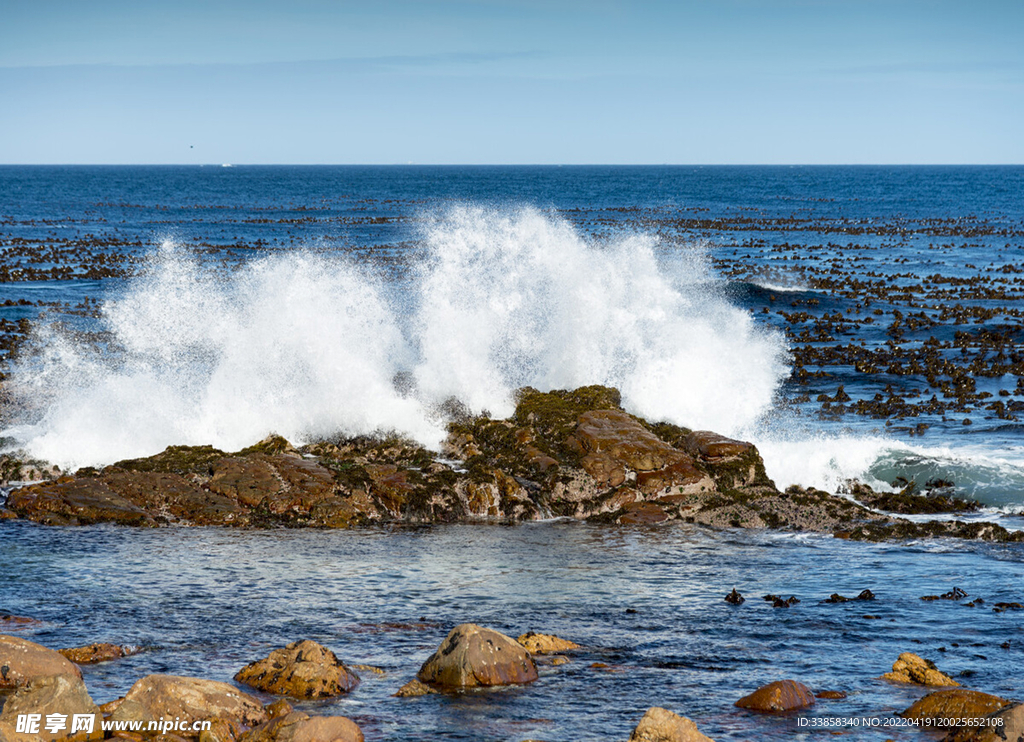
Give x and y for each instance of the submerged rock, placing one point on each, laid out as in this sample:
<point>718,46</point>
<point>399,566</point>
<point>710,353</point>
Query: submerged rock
<point>782,695</point>
<point>472,656</point>
<point>735,598</point>
<point>910,668</point>
<point>303,669</point>
<point>661,725</point>
<point>545,643</point>
<point>95,653</point>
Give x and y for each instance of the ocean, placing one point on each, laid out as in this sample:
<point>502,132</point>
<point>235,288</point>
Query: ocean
<point>854,322</point>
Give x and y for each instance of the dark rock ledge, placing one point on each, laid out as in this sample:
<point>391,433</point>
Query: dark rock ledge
<point>573,454</point>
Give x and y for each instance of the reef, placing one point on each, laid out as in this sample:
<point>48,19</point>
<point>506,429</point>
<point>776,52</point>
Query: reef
<point>571,454</point>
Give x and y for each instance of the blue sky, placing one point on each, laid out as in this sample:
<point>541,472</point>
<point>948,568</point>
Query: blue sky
<point>514,81</point>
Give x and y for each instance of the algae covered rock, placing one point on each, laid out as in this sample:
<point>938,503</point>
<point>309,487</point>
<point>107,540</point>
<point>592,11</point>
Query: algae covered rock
<point>472,656</point>
<point>303,669</point>
<point>69,501</point>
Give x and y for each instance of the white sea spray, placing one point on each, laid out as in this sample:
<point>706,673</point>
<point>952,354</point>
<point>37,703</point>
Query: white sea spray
<point>308,345</point>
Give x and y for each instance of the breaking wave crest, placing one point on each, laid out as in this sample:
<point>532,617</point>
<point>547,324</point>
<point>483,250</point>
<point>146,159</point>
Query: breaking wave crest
<point>307,345</point>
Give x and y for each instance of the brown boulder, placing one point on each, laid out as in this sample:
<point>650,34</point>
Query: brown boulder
<point>955,704</point>
<point>472,656</point>
<point>910,668</point>
<point>661,725</point>
<point>303,669</point>
<point>191,699</point>
<point>22,660</point>
<point>56,694</point>
<point>782,695</point>
<point>102,652</point>
<point>545,643</point>
<point>76,502</point>
<point>1006,725</point>
<point>300,727</point>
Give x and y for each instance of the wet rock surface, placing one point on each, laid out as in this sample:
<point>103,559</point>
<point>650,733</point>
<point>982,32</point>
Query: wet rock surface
<point>565,453</point>
<point>776,697</point>
<point>472,656</point>
<point>303,669</point>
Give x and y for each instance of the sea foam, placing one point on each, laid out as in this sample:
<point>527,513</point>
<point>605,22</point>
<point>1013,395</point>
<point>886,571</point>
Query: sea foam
<point>309,345</point>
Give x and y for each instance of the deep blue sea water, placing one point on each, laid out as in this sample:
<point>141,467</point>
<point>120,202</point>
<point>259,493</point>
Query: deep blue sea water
<point>213,304</point>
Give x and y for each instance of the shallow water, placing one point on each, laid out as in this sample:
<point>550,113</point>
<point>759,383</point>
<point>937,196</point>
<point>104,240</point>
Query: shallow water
<point>648,602</point>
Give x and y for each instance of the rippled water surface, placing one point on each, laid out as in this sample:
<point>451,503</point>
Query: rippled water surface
<point>646,602</point>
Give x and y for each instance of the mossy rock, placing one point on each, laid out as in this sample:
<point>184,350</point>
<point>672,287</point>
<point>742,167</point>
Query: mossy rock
<point>176,460</point>
<point>272,445</point>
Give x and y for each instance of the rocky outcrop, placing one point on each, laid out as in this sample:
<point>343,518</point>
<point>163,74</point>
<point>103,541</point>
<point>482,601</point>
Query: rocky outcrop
<point>782,695</point>
<point>571,454</point>
<point>94,653</point>
<point>301,727</point>
<point>472,656</point>
<point>910,668</point>
<point>545,643</point>
<point>661,725</point>
<point>957,703</point>
<point>303,669</point>
<point>194,699</point>
<point>63,695</point>
<point>22,661</point>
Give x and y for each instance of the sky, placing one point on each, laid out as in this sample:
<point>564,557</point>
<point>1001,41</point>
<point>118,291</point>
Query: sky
<point>512,82</point>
